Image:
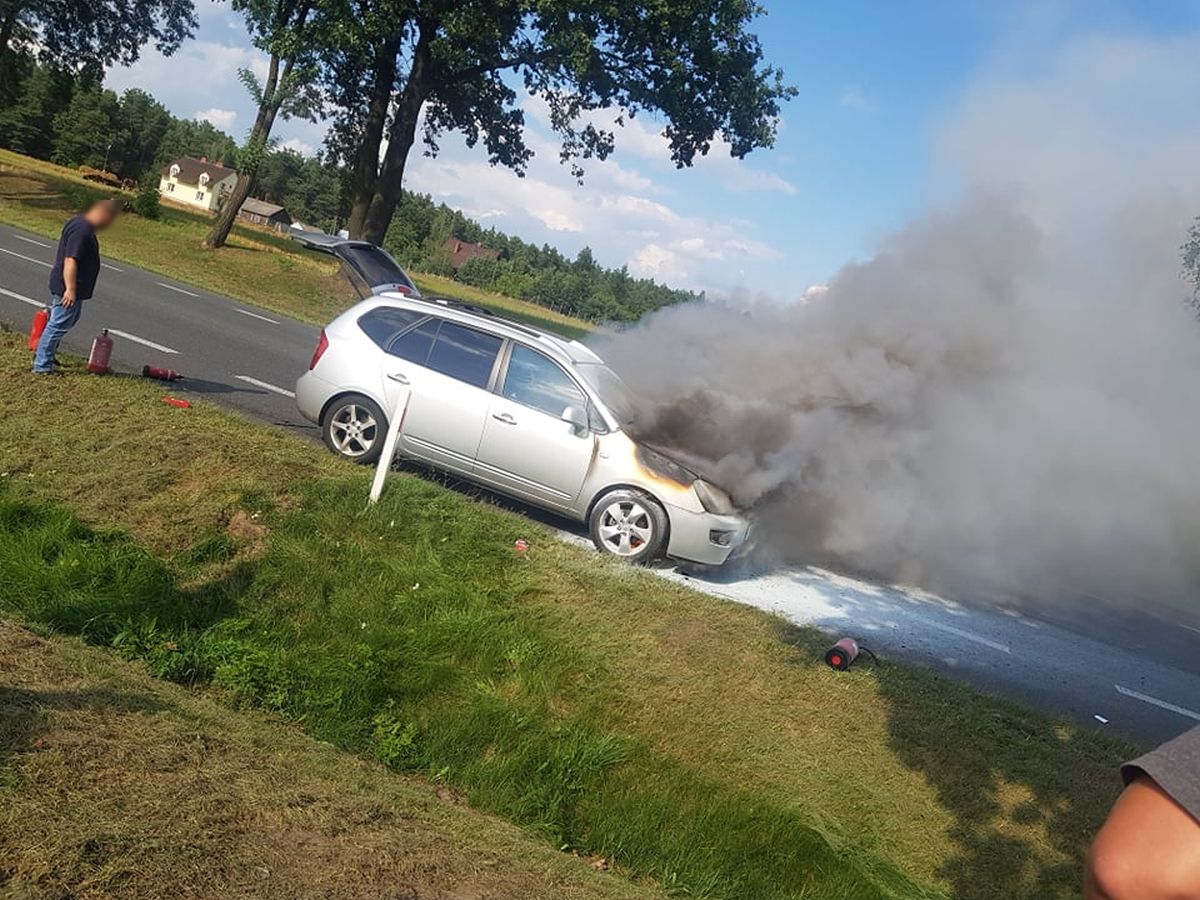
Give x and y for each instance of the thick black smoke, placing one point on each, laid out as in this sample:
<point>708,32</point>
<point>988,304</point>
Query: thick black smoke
<point>1004,399</point>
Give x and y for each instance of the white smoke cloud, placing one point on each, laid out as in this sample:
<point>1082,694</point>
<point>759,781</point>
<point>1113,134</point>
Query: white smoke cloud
<point>1003,399</point>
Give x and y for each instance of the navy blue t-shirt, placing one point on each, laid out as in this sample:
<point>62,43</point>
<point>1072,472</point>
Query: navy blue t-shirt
<point>78,241</point>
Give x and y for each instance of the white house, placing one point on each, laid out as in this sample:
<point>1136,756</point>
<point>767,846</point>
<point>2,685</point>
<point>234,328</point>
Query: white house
<point>197,182</point>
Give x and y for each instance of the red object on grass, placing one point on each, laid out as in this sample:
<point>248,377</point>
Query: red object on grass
<point>40,318</point>
<point>160,374</point>
<point>101,353</point>
<point>175,401</point>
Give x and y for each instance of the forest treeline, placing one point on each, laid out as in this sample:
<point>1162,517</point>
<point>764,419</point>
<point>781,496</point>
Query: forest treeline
<point>74,121</point>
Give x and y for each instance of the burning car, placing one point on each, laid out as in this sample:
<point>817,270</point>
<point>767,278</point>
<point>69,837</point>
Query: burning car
<point>520,411</point>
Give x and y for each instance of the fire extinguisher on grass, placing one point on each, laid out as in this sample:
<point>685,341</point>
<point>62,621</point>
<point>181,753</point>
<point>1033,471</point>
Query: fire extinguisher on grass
<point>101,353</point>
<point>40,318</point>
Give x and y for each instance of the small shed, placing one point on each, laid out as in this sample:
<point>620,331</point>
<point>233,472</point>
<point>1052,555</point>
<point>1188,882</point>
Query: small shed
<point>267,214</point>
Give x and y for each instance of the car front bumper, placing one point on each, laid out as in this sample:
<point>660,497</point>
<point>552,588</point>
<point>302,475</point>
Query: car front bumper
<point>704,537</point>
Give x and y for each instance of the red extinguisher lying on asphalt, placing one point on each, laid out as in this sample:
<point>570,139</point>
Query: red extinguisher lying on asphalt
<point>101,353</point>
<point>40,318</point>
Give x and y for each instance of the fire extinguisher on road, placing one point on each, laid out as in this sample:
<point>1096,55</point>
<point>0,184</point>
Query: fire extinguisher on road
<point>101,353</point>
<point>40,318</point>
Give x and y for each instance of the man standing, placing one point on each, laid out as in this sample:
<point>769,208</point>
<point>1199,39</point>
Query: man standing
<point>73,278</point>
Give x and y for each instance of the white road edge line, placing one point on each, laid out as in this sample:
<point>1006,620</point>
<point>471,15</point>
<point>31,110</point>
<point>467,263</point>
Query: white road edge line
<point>968,636</point>
<point>1154,701</point>
<point>22,298</point>
<point>26,258</point>
<point>266,386</point>
<point>113,268</point>
<point>246,312</point>
<point>178,290</point>
<point>142,341</point>
<point>31,241</point>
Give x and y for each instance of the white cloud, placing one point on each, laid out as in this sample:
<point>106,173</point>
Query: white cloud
<point>854,97</point>
<point>298,146</point>
<point>659,263</point>
<point>642,138</point>
<point>221,118</point>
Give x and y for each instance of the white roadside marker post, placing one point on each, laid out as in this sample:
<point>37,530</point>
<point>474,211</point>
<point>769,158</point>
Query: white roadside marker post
<point>388,456</point>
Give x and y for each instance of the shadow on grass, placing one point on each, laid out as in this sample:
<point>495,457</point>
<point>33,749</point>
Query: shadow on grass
<point>1026,793</point>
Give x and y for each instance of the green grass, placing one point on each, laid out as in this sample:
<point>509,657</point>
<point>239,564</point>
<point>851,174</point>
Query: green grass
<point>690,740</point>
<point>114,784</point>
<point>257,266</point>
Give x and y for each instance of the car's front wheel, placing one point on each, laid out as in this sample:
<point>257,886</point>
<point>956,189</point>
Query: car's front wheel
<point>354,427</point>
<point>629,525</point>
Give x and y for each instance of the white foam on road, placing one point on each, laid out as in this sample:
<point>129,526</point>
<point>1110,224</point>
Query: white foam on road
<point>31,241</point>
<point>1154,701</point>
<point>178,290</point>
<point>26,258</point>
<point>253,315</point>
<point>22,298</point>
<point>265,385</point>
<point>141,340</point>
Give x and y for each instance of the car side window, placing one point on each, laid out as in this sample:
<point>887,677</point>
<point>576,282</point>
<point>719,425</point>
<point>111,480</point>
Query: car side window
<point>464,353</point>
<point>384,323</point>
<point>416,344</point>
<point>535,380</point>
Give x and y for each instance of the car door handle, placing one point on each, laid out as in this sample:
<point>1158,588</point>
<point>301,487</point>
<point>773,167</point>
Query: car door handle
<point>399,377</point>
<point>506,418</point>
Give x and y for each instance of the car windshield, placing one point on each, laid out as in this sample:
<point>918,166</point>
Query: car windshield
<point>374,265</point>
<point>614,393</point>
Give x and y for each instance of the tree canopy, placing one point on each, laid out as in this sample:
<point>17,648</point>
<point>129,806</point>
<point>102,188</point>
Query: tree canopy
<point>92,34</point>
<point>399,66</point>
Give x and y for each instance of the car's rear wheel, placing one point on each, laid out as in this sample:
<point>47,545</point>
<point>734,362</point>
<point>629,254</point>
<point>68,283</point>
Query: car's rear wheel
<point>354,427</point>
<point>629,525</point>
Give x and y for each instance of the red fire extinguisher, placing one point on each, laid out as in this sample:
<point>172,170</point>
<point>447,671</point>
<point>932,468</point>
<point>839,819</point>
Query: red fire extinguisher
<point>101,353</point>
<point>40,318</point>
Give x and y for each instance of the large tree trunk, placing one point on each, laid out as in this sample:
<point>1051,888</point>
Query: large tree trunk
<point>256,148</point>
<point>365,173</point>
<point>378,205</point>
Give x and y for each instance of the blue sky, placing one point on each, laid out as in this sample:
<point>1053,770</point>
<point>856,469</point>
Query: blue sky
<point>885,89</point>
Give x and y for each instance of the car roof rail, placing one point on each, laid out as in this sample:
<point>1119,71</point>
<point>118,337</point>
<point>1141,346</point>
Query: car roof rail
<point>462,306</point>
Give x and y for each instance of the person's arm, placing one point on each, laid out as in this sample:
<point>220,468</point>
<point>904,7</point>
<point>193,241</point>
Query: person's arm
<point>70,276</point>
<point>1149,849</point>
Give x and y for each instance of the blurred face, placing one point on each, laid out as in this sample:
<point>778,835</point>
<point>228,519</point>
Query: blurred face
<point>102,215</point>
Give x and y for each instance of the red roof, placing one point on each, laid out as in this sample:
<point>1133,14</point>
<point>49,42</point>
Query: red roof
<point>461,251</point>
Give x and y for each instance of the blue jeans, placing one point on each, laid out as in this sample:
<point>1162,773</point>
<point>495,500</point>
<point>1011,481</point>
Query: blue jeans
<point>62,320</point>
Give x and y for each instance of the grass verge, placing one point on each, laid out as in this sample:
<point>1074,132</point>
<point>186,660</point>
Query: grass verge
<point>256,266</point>
<point>690,740</point>
<point>116,784</point>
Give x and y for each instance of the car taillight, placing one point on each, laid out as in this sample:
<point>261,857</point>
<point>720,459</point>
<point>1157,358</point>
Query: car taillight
<point>402,289</point>
<point>322,346</point>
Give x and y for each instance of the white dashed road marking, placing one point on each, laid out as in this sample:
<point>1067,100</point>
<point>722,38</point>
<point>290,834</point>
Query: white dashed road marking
<point>266,386</point>
<point>1154,701</point>
<point>142,341</point>
<point>246,312</point>
<point>178,290</point>
<point>111,268</point>
<point>26,258</point>
<point>968,636</point>
<point>21,297</point>
<point>31,241</point>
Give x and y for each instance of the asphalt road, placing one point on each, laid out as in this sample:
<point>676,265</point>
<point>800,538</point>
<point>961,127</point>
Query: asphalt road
<point>1134,674</point>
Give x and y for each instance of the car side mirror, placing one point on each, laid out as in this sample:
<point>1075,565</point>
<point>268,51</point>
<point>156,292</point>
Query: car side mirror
<point>577,418</point>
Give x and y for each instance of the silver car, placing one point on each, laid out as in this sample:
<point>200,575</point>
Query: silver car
<point>522,412</point>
